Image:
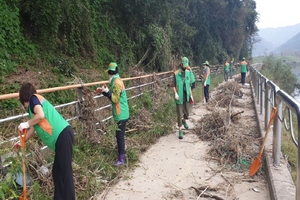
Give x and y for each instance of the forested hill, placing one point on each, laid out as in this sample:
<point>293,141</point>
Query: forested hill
<point>147,34</point>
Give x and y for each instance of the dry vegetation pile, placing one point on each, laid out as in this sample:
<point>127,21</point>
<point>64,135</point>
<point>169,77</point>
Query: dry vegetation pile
<point>90,120</point>
<point>227,94</point>
<point>229,134</point>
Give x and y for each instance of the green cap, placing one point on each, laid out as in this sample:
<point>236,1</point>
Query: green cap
<point>112,66</point>
<point>243,58</point>
<point>206,63</point>
<point>185,61</point>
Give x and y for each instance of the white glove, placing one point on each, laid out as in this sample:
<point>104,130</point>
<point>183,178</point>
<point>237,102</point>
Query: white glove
<point>176,96</point>
<point>23,125</point>
<point>191,99</point>
<point>105,89</point>
<point>204,83</point>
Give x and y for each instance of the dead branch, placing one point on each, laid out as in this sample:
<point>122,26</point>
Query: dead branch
<point>249,180</point>
<point>143,58</point>
<point>201,193</point>
<point>233,115</point>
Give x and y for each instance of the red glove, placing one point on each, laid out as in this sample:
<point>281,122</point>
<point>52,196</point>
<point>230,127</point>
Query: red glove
<point>17,146</point>
<point>98,89</point>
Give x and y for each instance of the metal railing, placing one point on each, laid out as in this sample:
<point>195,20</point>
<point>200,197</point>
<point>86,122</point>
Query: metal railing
<point>138,86</point>
<point>269,94</point>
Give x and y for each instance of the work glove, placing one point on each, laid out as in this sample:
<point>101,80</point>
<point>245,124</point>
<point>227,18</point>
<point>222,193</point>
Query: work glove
<point>204,84</point>
<point>176,96</point>
<point>104,89</point>
<point>106,92</point>
<point>23,125</point>
<point>191,100</point>
<point>98,89</point>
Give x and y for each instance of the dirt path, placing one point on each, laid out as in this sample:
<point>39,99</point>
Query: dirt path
<point>177,169</point>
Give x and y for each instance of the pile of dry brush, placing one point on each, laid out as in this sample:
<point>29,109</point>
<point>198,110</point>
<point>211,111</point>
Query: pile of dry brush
<point>225,128</point>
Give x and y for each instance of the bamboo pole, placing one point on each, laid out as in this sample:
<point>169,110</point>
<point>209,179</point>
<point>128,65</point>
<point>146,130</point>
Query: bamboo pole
<point>67,87</point>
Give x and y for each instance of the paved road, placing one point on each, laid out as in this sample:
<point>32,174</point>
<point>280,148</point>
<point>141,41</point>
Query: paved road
<point>173,168</point>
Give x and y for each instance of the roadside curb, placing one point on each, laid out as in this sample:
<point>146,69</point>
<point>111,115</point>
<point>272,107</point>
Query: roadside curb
<point>280,183</point>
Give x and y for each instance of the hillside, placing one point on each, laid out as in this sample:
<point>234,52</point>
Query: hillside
<point>280,35</point>
<point>291,46</point>
<point>151,35</point>
<point>263,47</point>
<point>269,39</point>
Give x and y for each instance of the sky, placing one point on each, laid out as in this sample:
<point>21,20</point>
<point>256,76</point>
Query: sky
<point>277,13</point>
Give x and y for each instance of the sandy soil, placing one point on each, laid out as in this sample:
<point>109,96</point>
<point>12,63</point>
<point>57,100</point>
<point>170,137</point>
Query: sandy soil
<point>177,169</point>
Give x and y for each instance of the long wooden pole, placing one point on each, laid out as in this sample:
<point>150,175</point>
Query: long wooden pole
<point>16,95</point>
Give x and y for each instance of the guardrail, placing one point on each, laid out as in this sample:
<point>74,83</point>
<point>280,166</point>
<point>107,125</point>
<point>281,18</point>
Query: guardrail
<point>269,94</point>
<point>138,85</point>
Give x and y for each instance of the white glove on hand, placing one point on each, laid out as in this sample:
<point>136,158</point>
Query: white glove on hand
<point>204,83</point>
<point>176,96</point>
<point>105,89</point>
<point>191,99</point>
<point>23,125</point>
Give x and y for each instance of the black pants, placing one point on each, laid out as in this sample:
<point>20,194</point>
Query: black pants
<point>230,72</point>
<point>206,93</point>
<point>243,77</point>
<point>120,136</point>
<point>62,171</point>
<point>226,76</point>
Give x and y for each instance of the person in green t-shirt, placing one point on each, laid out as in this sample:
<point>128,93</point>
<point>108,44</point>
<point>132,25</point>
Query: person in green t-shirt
<point>56,133</point>
<point>231,68</point>
<point>206,80</point>
<point>243,71</point>
<point>226,70</point>
<point>120,109</point>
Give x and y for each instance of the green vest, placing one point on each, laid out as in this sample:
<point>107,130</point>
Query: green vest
<point>51,126</point>
<point>231,65</point>
<point>243,67</point>
<point>179,84</point>
<point>206,71</point>
<point>193,79</point>
<point>226,67</point>
<point>120,110</point>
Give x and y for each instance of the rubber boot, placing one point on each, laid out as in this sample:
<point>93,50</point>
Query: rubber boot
<point>120,161</point>
<point>180,134</point>
<point>186,126</point>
